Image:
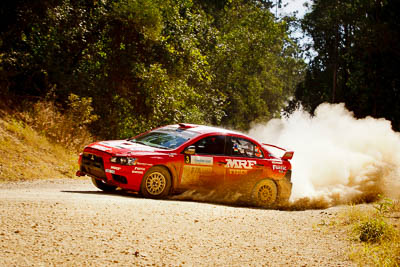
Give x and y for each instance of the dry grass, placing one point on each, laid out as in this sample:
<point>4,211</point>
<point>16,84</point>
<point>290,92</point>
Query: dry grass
<point>374,232</point>
<point>42,139</point>
<point>384,253</point>
<point>25,154</point>
<point>65,127</point>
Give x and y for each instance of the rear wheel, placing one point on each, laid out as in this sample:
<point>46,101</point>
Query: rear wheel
<point>156,183</point>
<point>100,184</point>
<point>264,193</point>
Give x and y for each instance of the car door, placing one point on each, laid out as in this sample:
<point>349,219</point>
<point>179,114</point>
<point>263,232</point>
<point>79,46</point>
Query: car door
<point>244,160</point>
<point>203,168</point>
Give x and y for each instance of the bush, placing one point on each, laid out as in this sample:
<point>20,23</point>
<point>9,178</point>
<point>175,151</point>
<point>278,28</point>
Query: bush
<point>374,230</point>
<point>68,127</point>
<point>380,240</point>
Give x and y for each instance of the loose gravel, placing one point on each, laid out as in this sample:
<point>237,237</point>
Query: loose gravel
<point>66,222</point>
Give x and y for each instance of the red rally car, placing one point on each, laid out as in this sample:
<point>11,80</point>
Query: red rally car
<point>176,158</point>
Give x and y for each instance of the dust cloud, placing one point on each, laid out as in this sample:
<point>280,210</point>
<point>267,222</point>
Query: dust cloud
<point>338,159</point>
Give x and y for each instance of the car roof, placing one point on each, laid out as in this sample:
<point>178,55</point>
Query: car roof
<point>203,129</point>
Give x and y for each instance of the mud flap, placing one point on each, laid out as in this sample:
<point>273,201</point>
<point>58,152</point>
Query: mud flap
<point>284,190</point>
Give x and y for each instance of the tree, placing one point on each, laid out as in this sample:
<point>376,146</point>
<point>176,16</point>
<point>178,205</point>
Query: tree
<point>146,63</point>
<point>256,64</point>
<point>357,44</point>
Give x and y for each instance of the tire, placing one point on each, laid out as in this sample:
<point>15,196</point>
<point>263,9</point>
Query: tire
<point>102,185</point>
<point>264,193</point>
<point>156,183</point>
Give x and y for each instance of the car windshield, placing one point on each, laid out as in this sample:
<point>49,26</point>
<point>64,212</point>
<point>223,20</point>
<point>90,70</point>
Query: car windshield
<point>165,138</point>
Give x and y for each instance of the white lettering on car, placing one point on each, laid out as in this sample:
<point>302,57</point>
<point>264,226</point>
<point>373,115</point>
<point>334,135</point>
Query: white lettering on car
<point>139,169</point>
<point>240,164</point>
<point>279,167</point>
<point>115,168</point>
<point>200,160</point>
<point>138,172</point>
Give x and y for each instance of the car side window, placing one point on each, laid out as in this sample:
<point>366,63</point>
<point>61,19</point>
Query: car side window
<point>243,148</point>
<point>211,145</point>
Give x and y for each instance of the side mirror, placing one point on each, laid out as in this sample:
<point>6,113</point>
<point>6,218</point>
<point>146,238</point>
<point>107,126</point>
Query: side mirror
<point>190,150</point>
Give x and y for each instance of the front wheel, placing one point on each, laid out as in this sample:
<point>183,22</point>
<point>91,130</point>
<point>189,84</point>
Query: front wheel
<point>264,193</point>
<point>156,183</point>
<point>102,185</point>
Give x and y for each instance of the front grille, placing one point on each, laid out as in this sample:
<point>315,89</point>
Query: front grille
<point>93,164</point>
<point>92,160</point>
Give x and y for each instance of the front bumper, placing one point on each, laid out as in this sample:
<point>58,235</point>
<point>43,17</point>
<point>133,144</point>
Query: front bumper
<point>96,164</point>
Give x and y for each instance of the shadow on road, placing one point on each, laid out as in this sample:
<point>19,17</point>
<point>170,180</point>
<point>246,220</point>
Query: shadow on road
<point>113,193</point>
<point>208,198</point>
<point>176,198</point>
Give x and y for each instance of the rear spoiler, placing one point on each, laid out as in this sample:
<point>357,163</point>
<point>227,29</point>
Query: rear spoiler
<point>288,154</point>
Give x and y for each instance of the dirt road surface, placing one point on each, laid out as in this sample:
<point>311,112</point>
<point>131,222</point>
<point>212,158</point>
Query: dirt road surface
<point>70,223</point>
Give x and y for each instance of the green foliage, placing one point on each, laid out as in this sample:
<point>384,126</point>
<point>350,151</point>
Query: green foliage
<point>356,44</point>
<point>383,206</point>
<point>254,64</point>
<point>80,110</point>
<point>374,229</point>
<point>377,231</point>
<point>138,64</point>
<point>141,15</point>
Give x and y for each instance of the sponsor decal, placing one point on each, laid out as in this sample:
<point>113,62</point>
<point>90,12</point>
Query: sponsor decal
<point>144,164</point>
<point>115,168</point>
<point>110,171</point>
<point>102,148</point>
<point>240,164</point>
<point>140,169</point>
<point>187,159</point>
<point>199,160</point>
<point>196,170</point>
<point>138,172</point>
<point>237,172</point>
<point>192,174</point>
<point>279,167</point>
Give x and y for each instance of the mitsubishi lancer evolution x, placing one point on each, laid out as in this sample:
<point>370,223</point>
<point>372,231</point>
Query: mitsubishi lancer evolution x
<point>181,157</point>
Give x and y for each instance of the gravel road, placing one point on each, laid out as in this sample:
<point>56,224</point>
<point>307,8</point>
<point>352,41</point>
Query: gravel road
<point>68,222</point>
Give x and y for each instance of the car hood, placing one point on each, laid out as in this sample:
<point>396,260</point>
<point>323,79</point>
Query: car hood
<point>124,147</point>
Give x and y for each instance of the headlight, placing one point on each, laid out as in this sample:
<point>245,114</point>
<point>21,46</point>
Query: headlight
<point>123,160</point>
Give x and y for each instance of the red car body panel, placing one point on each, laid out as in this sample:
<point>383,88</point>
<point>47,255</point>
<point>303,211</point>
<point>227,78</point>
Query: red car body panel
<point>187,171</point>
